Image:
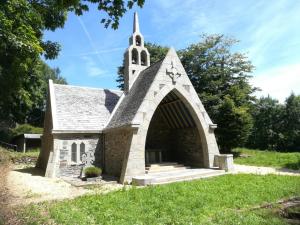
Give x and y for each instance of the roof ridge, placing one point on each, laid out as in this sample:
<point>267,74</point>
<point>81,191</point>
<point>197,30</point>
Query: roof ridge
<point>130,104</point>
<point>85,87</point>
<point>154,64</point>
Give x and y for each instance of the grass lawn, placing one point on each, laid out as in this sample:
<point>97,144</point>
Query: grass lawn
<point>226,200</point>
<point>268,158</point>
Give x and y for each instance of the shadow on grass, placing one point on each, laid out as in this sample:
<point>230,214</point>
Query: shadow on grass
<point>293,166</point>
<point>32,170</point>
<point>236,154</point>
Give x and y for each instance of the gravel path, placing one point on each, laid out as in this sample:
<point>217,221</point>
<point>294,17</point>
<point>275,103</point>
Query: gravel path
<point>260,170</point>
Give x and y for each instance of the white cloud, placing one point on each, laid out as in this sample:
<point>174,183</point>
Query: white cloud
<point>92,69</point>
<point>97,52</point>
<point>89,37</point>
<point>278,82</point>
<point>271,31</point>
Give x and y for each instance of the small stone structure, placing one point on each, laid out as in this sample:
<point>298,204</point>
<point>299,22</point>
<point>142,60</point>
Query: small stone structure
<point>158,118</point>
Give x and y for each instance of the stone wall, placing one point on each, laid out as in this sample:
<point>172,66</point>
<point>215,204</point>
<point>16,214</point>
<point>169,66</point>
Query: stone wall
<point>47,139</point>
<point>71,170</point>
<point>117,143</point>
<point>159,134</point>
<point>188,146</point>
<point>93,147</point>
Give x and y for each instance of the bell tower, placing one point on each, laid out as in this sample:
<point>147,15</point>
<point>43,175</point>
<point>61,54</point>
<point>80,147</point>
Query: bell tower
<point>137,57</point>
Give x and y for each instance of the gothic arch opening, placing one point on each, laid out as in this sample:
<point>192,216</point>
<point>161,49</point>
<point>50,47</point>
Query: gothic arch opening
<point>144,58</point>
<point>173,135</point>
<point>134,56</point>
<point>138,40</point>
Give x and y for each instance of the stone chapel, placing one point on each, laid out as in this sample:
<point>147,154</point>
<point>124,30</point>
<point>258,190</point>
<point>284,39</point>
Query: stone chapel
<point>158,120</point>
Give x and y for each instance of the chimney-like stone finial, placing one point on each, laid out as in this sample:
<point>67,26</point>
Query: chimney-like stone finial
<point>136,26</point>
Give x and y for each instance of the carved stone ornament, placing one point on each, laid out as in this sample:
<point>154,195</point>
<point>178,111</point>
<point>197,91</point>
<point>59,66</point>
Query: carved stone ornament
<point>88,158</point>
<point>173,72</point>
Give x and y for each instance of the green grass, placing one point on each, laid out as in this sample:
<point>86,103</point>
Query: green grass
<point>268,158</point>
<point>220,200</point>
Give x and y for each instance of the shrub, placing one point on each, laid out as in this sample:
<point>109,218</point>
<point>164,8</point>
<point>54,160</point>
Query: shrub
<point>26,129</point>
<point>92,171</point>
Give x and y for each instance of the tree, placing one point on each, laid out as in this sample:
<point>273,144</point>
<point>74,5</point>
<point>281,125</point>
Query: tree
<point>291,128</point>
<point>268,117</point>
<point>276,126</point>
<point>220,78</point>
<point>34,90</point>
<point>35,114</point>
<point>157,53</point>
<point>22,24</point>
<point>234,123</point>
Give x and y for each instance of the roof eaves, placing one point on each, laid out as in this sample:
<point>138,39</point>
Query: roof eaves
<point>52,104</point>
<point>124,126</point>
<point>77,131</point>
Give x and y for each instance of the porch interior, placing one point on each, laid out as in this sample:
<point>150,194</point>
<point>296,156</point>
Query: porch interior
<point>173,140</point>
<point>173,150</point>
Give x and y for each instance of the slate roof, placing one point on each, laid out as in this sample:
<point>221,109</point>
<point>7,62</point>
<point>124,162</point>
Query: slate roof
<point>127,109</point>
<point>82,108</point>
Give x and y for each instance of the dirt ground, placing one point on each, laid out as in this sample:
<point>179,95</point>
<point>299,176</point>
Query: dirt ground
<point>28,185</point>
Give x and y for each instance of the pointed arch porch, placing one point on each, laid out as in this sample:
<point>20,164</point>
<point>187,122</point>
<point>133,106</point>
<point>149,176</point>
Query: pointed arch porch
<point>134,161</point>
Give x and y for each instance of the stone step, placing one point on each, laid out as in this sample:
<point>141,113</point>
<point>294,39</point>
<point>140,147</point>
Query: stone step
<point>166,166</point>
<point>187,177</point>
<point>167,169</point>
<point>163,164</point>
<point>175,176</point>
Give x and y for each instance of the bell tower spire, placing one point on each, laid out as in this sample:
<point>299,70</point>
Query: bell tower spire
<point>136,26</point>
<point>137,57</point>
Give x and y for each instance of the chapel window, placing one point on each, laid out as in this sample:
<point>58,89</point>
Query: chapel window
<point>82,150</point>
<point>135,56</point>
<point>74,152</point>
<point>144,58</point>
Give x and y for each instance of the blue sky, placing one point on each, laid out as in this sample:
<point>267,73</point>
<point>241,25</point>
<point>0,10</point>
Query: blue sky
<point>269,32</point>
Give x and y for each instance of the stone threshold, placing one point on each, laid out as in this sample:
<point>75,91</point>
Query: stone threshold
<point>166,177</point>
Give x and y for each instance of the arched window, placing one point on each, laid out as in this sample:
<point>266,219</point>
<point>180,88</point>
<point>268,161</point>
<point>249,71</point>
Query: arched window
<point>74,152</point>
<point>144,58</point>
<point>135,56</point>
<point>138,40</point>
<point>82,150</point>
